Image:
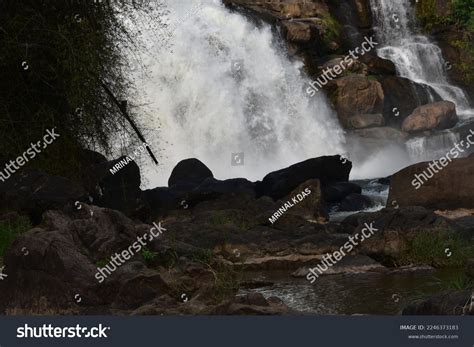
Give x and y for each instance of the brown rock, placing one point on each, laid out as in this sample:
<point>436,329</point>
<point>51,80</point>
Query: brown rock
<point>353,95</point>
<point>298,32</point>
<point>437,115</point>
<point>449,188</point>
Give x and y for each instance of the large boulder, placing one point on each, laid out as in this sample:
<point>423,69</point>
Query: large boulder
<point>327,169</point>
<point>354,95</point>
<point>435,116</point>
<point>53,267</point>
<point>402,96</point>
<point>433,186</point>
<point>307,201</point>
<point>190,172</point>
<point>355,202</point>
<point>336,192</point>
<point>378,66</point>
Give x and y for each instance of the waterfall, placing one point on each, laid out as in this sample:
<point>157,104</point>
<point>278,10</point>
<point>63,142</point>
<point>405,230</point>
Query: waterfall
<point>223,90</point>
<point>413,54</point>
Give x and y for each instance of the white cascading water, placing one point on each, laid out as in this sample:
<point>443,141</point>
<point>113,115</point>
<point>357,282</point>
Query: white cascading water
<point>420,60</point>
<point>414,55</point>
<point>219,86</point>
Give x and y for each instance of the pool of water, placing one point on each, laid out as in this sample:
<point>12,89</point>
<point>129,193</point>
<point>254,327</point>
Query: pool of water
<point>371,293</point>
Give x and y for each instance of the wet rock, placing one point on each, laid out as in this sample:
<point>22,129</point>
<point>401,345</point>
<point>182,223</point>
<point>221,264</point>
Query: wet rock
<point>328,169</point>
<point>336,192</point>
<point>355,202</point>
<point>435,116</point>
<point>402,96</point>
<point>350,264</point>
<point>378,66</point>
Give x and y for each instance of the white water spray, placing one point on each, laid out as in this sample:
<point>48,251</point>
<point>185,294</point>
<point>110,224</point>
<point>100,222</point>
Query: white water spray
<point>223,86</point>
<point>414,55</point>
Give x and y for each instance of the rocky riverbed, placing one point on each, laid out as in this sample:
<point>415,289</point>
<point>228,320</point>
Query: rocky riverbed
<point>218,241</point>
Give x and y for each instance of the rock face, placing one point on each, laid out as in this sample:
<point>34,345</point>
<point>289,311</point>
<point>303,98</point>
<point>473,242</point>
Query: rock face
<point>354,95</point>
<point>435,116</point>
<point>450,188</point>
<point>402,96</point>
<point>279,184</point>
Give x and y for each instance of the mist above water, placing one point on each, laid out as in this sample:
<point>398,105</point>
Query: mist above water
<point>222,86</point>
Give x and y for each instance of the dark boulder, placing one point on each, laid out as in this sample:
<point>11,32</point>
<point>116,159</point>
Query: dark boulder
<point>327,169</point>
<point>402,96</point>
<point>161,200</point>
<point>355,202</point>
<point>120,188</point>
<point>336,192</point>
<point>212,188</point>
<point>191,172</point>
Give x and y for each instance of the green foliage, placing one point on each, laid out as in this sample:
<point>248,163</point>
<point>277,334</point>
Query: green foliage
<point>55,57</point>
<point>430,248</point>
<point>103,262</point>
<point>148,255</point>
<point>10,229</point>
<point>463,13</point>
<point>332,31</point>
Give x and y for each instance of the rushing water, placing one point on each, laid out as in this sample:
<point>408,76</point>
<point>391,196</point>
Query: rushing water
<point>414,55</point>
<point>222,86</point>
<point>368,293</point>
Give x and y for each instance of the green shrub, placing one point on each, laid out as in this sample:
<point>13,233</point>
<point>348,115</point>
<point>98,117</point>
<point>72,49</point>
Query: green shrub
<point>148,255</point>
<point>438,248</point>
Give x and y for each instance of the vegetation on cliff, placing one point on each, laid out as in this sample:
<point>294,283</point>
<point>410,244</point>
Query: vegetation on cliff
<point>56,58</point>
